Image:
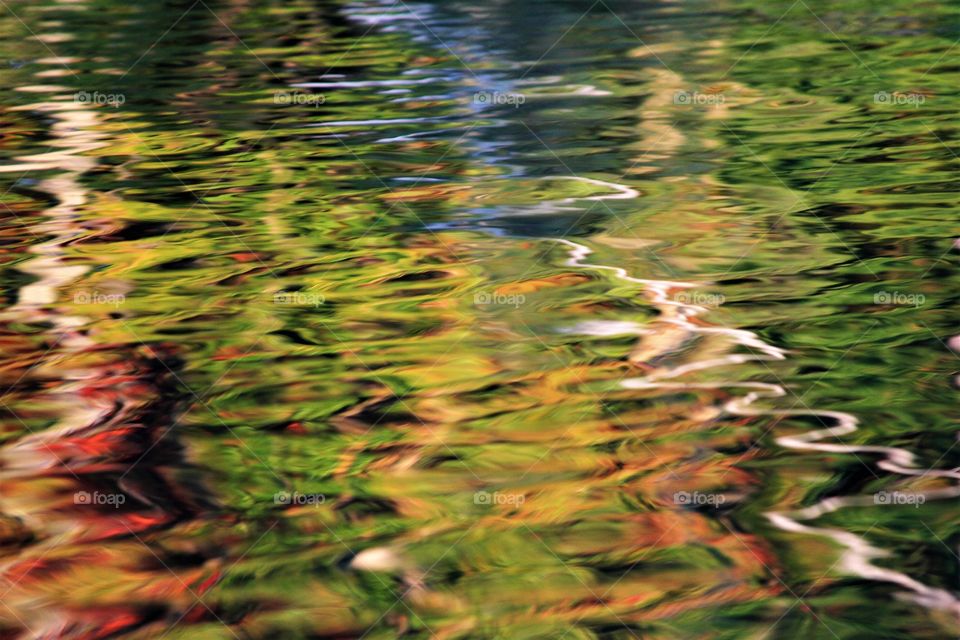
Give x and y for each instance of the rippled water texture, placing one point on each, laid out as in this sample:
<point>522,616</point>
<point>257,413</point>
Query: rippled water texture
<point>479,320</point>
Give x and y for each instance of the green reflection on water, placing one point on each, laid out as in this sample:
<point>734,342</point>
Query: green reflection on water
<point>350,290</point>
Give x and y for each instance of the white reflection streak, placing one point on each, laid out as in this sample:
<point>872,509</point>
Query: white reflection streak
<point>859,554</point>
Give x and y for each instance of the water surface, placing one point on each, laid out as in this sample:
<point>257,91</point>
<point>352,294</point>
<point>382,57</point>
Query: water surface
<point>479,320</point>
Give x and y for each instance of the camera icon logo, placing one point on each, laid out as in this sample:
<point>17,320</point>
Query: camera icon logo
<point>682,498</point>
<point>82,497</point>
<point>482,497</point>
